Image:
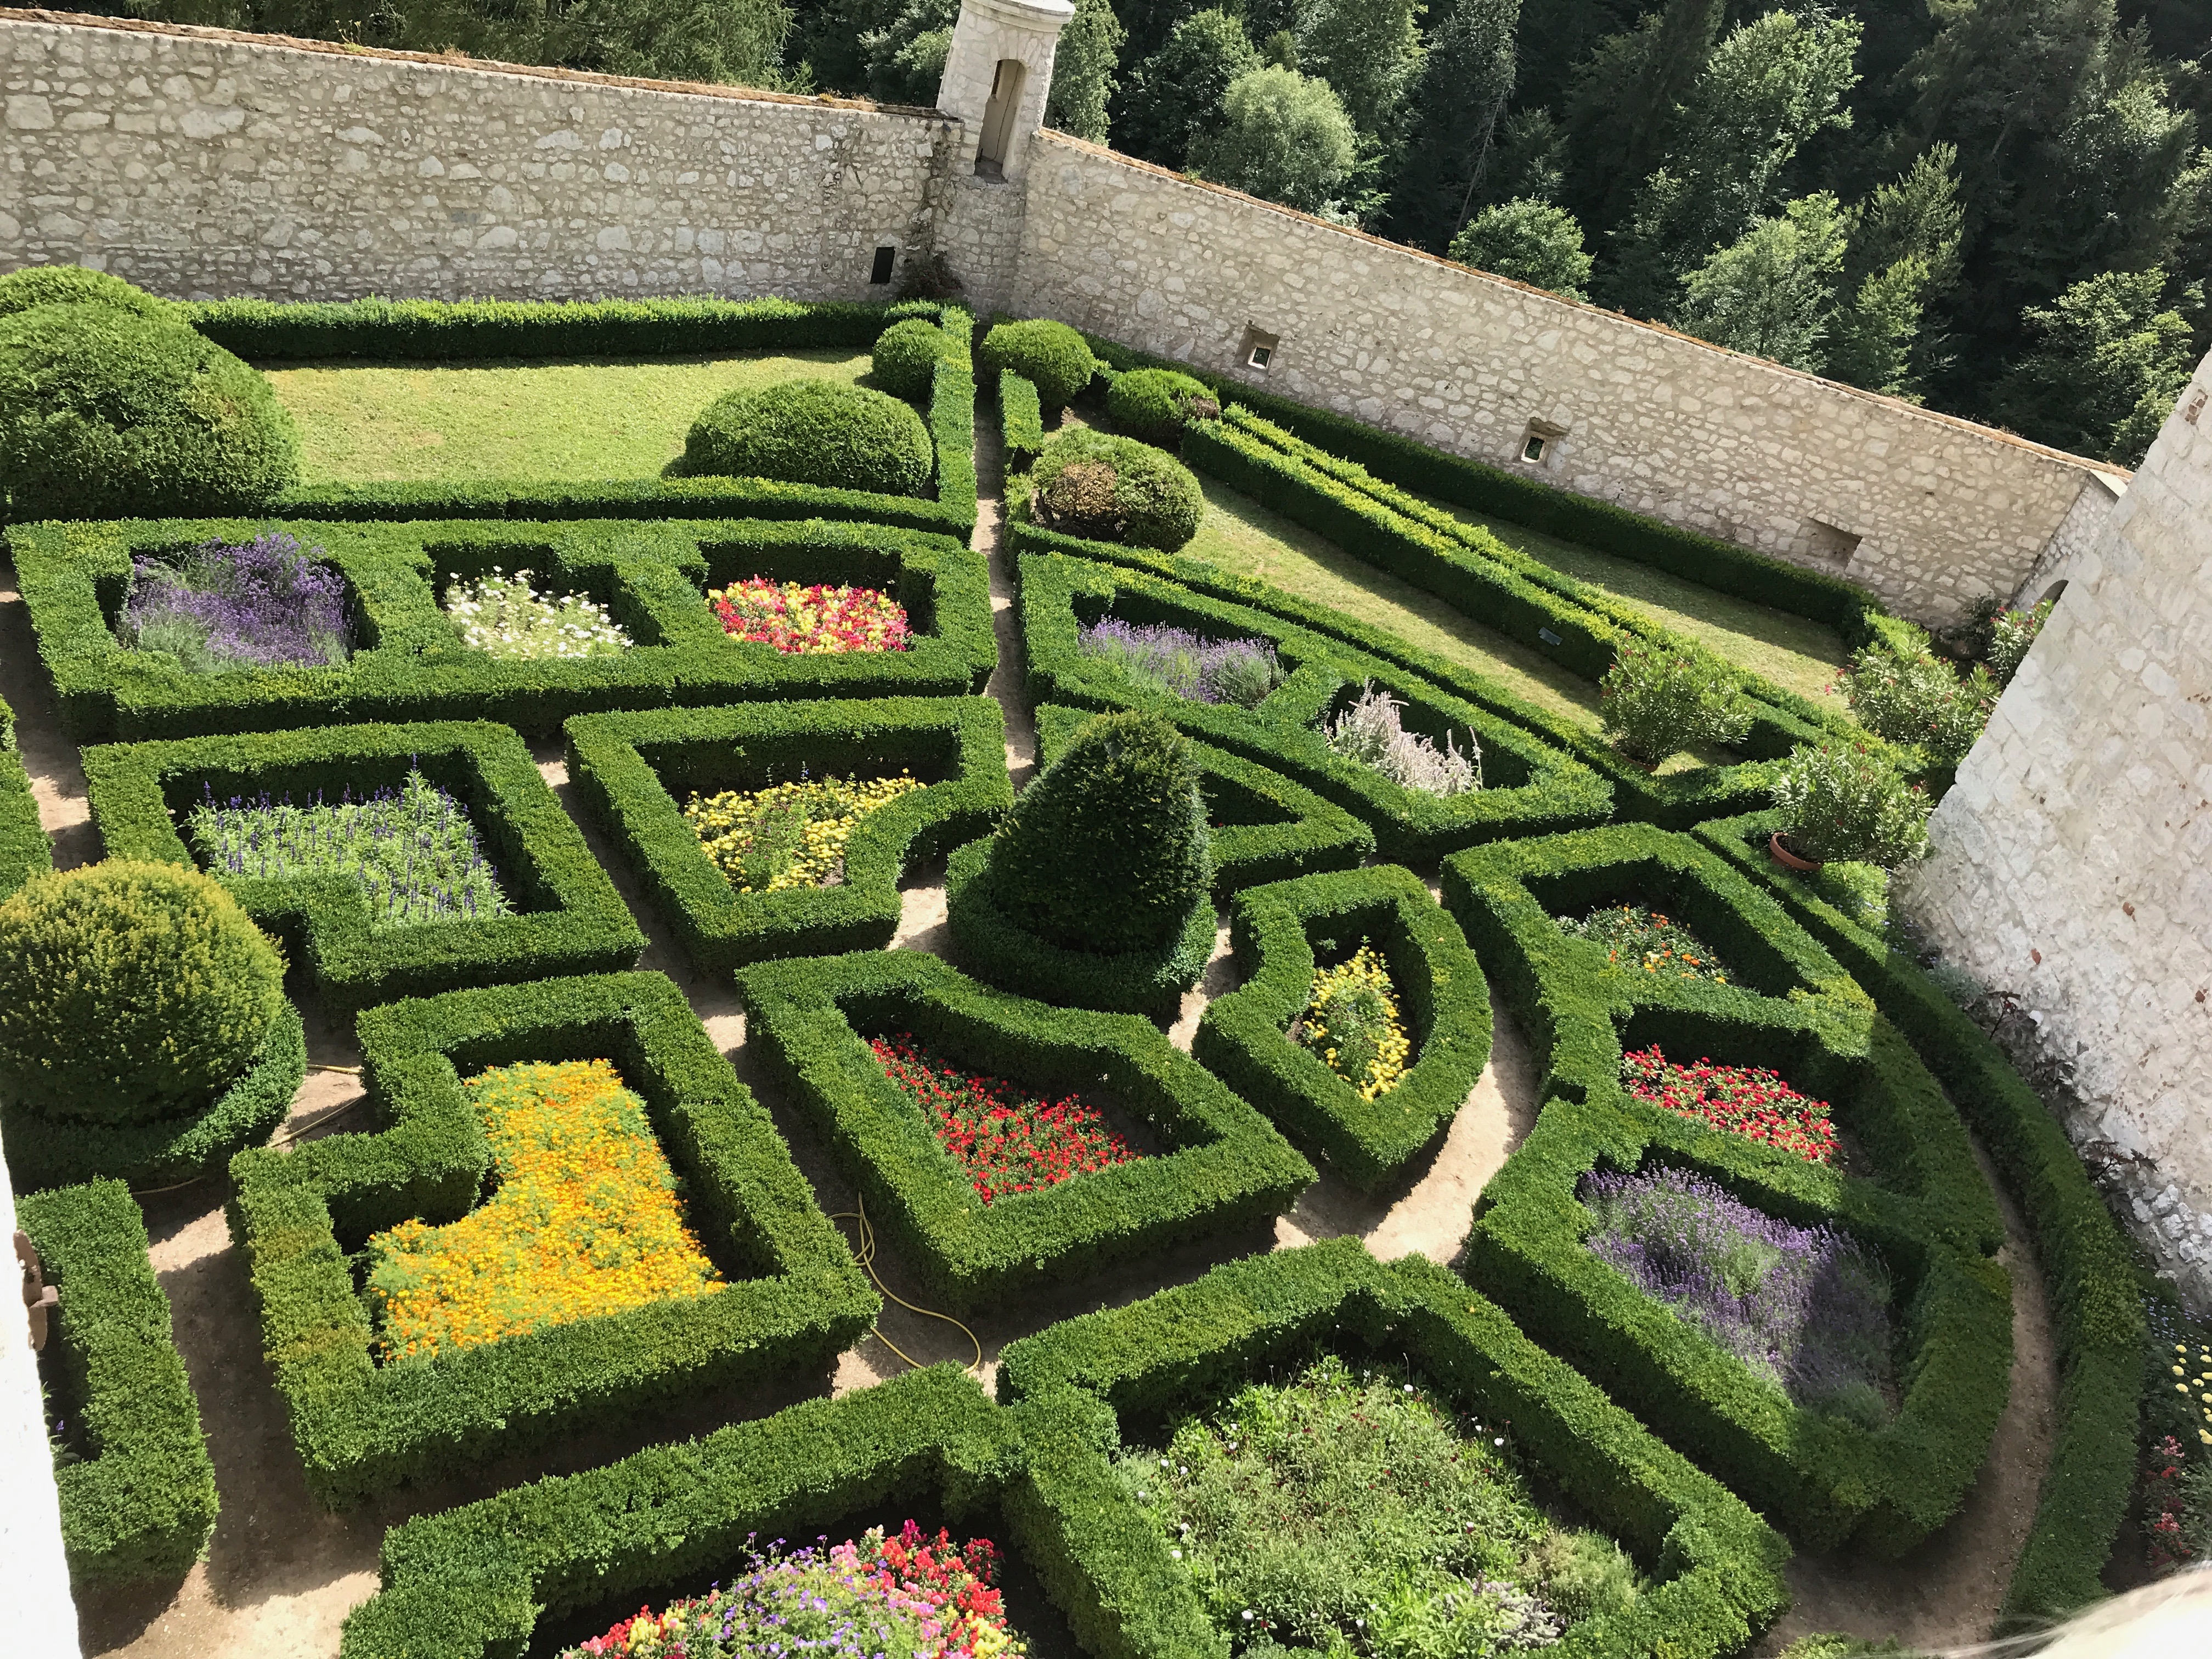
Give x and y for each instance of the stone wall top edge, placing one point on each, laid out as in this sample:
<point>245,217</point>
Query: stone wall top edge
<point>2113,476</point>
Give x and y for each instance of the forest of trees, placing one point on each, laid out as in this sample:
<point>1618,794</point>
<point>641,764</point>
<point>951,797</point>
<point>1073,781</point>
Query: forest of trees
<point>2001,208</point>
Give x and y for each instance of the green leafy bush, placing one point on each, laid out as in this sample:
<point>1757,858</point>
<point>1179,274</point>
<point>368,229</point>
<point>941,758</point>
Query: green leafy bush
<point>1842,801</point>
<point>1052,357</point>
<point>1110,488</point>
<point>106,415</point>
<point>129,992</point>
<point>813,432</point>
<point>1920,698</point>
<point>1155,404</point>
<point>2012,630</point>
<point>61,285</point>
<point>1655,702</point>
<point>907,356</point>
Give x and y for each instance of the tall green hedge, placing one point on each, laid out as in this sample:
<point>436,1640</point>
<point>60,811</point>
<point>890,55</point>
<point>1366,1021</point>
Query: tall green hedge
<point>24,851</point>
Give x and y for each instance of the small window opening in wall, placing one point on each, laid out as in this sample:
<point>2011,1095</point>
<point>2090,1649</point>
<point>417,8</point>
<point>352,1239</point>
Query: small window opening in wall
<point>1260,348</point>
<point>1533,447</point>
<point>886,258</point>
<point>2050,593</point>
<point>1838,546</point>
<point>997,138</point>
<point>1541,440</point>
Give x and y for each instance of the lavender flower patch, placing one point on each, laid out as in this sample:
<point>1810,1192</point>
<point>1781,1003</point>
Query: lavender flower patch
<point>1168,658</point>
<point>411,851</point>
<point>1805,1307</point>
<point>262,604</point>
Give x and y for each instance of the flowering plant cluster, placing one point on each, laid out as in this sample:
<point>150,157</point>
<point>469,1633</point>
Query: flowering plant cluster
<point>2013,628</point>
<point>789,835</point>
<point>1007,1139</point>
<point>2193,1382</point>
<point>797,621</point>
<point>1918,697</point>
<point>909,1597</point>
<point>1164,657</point>
<point>504,615</point>
<point>1372,733</point>
<point>263,604</point>
<point>2165,1505</point>
<point>1352,1022</point>
<point>1632,936</point>
<point>411,851</point>
<point>587,1218</point>
<point>1746,1100</point>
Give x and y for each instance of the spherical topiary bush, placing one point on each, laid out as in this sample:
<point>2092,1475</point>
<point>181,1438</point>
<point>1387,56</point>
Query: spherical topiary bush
<point>906,355</point>
<point>1112,488</point>
<point>105,415</point>
<point>129,992</point>
<point>813,432</point>
<point>57,285</point>
<point>1155,404</point>
<point>1051,356</point>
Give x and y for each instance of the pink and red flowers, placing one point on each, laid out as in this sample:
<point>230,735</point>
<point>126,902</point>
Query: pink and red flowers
<point>1745,1100</point>
<point>1009,1141</point>
<point>798,620</point>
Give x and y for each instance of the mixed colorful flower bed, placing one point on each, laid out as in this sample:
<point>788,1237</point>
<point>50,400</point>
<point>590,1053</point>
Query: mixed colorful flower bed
<point>505,615</point>
<point>263,604</point>
<point>789,835</point>
<point>1803,1306</point>
<point>1352,1022</point>
<point>1007,1141</point>
<point>1746,1100</point>
<point>2176,1475</point>
<point>411,851</point>
<point>1633,937</point>
<point>587,1218</point>
<point>799,620</point>
<point>1164,657</point>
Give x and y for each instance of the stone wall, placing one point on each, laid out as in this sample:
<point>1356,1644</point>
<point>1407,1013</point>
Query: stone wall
<point>2072,866</point>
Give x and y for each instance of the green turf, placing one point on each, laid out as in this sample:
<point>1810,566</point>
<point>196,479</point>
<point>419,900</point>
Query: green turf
<point>570,422</point>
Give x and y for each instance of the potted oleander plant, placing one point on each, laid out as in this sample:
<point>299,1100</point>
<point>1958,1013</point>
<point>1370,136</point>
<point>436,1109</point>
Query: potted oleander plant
<point>1846,801</point>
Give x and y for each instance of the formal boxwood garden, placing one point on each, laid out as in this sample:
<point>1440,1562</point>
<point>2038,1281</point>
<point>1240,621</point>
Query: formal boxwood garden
<point>23,849</point>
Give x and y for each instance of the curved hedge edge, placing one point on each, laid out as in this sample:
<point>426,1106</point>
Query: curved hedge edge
<point>1443,1001</point>
<point>44,1152</point>
<point>1021,415</point>
<point>24,849</point>
<point>2086,1259</point>
<point>143,1505</point>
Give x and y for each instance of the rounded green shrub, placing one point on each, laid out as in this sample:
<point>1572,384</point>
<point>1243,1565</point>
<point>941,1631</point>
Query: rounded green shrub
<point>1155,404</point>
<point>60,285</point>
<point>1051,356</point>
<point>129,992</point>
<point>906,355</point>
<point>1844,801</point>
<point>1107,851</point>
<point>1112,488</point>
<point>105,415</point>
<point>813,432</point>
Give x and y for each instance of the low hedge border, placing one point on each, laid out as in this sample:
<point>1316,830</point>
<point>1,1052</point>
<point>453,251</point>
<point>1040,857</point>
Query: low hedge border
<point>413,665</point>
<point>1534,787</point>
<point>569,917</point>
<point>476,1582</point>
<point>24,851</point>
<point>47,1151</point>
<point>1265,827</point>
<point>1223,1165</point>
<point>1442,1000</point>
<point>144,1504</point>
<point>629,770</point>
<point>539,500</point>
<point>795,1296</point>
<point>1021,417</point>
<point>1180,1350</point>
<point>2085,1259</point>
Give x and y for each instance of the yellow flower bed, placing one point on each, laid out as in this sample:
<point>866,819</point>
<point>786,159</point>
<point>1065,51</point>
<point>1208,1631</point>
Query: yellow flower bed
<point>789,835</point>
<point>586,1219</point>
<point>1352,1021</point>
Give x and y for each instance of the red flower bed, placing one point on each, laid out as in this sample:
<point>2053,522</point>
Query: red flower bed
<point>1745,1100</point>
<point>797,620</point>
<point>1008,1140</point>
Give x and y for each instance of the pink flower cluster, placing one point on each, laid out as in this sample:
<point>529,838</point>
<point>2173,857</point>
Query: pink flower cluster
<point>797,620</point>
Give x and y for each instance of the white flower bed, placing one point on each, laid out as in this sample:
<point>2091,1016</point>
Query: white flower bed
<point>506,617</point>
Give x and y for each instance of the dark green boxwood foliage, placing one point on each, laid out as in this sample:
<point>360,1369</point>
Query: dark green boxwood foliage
<point>1442,998</point>
<point>812,432</point>
<point>636,771</point>
<point>472,1583</point>
<point>1221,1167</point>
<point>24,852</point>
<point>1051,356</point>
<point>413,665</point>
<point>1094,484</point>
<point>2084,1258</point>
<point>144,1504</point>
<point>568,918</point>
<point>650,499</point>
<point>57,285</point>
<point>1021,414</point>
<point>104,413</point>
<point>1155,404</point>
<point>1720,1566</point>
<point>795,1296</point>
<point>906,355</point>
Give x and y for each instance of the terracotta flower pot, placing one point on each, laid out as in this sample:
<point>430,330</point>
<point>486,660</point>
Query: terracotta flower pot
<point>1787,859</point>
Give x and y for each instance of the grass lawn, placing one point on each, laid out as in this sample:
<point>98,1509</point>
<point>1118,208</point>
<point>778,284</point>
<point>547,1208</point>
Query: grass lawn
<point>574,421</point>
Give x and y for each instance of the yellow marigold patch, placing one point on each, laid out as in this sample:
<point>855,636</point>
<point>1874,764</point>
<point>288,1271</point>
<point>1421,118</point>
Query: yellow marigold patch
<point>789,835</point>
<point>1352,1022</point>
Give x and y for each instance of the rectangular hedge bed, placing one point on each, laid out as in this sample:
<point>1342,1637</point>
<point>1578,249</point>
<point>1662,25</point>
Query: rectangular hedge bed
<point>566,915</point>
<point>636,770</point>
<point>1221,1166</point>
<point>410,661</point>
<point>794,1297</point>
<point>1716,1566</point>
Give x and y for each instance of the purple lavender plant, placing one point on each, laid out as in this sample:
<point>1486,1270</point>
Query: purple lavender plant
<point>263,603</point>
<point>1166,657</point>
<point>1806,1307</point>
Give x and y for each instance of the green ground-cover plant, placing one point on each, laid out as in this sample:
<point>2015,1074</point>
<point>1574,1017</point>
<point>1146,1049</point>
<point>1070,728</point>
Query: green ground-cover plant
<point>812,432</point>
<point>1849,802</point>
<point>1051,356</point>
<point>1156,405</point>
<point>1095,484</point>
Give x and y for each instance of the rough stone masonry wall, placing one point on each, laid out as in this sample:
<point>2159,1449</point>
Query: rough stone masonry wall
<point>2073,863</point>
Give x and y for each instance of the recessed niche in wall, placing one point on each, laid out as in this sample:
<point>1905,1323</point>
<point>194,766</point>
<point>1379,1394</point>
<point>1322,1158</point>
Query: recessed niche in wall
<point>1259,348</point>
<point>1826,541</point>
<point>1540,443</point>
<point>886,258</point>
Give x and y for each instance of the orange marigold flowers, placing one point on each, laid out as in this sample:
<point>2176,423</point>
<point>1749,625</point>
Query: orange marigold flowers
<point>586,1219</point>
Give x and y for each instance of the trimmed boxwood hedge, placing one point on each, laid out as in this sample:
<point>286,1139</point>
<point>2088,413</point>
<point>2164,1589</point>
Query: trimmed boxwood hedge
<point>476,1582</point>
<point>1719,1565</point>
<point>1441,999</point>
<point>634,771</point>
<point>1021,417</point>
<point>142,1505</point>
<point>411,663</point>
<point>795,1296</point>
<point>568,917</point>
<point>824,433</point>
<point>1221,1167</point>
<point>24,850</point>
